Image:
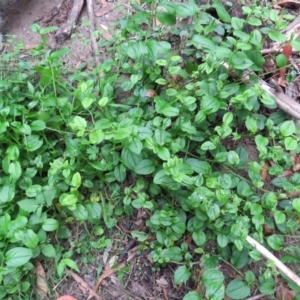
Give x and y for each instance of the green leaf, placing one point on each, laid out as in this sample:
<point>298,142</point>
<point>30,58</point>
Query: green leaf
<point>14,169</point>
<point>277,36</point>
<point>32,143</point>
<point>199,238</point>
<point>7,193</point>
<point>208,146</point>
<point>181,275</point>
<point>239,257</point>
<point>28,237</point>
<point>76,180</point>
<point>279,217</point>
<point>49,251</point>
<point>290,143</point>
<point>144,167</point>
<point>275,241</point>
<point>28,205</point>
<point>209,104</point>
<point>50,225</point>
<point>96,137</point>
<point>38,125</point>
<point>296,204</point>
<point>192,296</point>
<point>140,236</point>
<point>287,128</point>
<point>281,60</point>
<point>80,212</point>
<point>122,133</point>
<point>254,21</point>
<point>68,199</point>
<point>221,11</point>
<point>18,256</point>
<point>213,281</point>
<point>222,240</point>
<point>94,210</point>
<point>166,18</point>
<point>172,253</point>
<point>130,159</point>
<point>200,41</point>
<point>237,289</point>
<point>186,10</point>
<point>120,173</point>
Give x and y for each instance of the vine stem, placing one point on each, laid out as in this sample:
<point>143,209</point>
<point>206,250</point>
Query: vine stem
<point>267,254</point>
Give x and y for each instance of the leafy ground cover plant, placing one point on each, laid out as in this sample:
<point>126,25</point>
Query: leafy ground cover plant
<point>170,111</point>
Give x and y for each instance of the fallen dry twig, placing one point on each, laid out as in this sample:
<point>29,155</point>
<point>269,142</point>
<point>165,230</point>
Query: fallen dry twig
<point>267,254</point>
<point>66,29</point>
<point>80,281</point>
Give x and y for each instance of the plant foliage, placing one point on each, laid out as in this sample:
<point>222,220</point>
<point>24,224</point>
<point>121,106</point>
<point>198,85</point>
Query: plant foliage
<point>168,111</point>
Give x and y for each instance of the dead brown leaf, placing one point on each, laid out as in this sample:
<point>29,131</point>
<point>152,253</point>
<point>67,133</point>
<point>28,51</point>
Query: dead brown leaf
<point>83,284</point>
<point>283,292</point>
<point>41,281</point>
<point>264,171</point>
<point>286,3</point>
<point>296,167</point>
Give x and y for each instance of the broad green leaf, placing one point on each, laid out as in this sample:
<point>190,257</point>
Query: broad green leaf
<point>237,289</point>
<point>38,125</point>
<point>145,167</point>
<point>281,60</point>
<point>290,143</point>
<point>50,225</point>
<point>277,36</point>
<point>221,11</point>
<point>213,281</point>
<point>76,180</point>
<point>181,275</point>
<point>94,210</point>
<point>18,256</point>
<point>130,159</point>
<point>279,217</point>
<point>14,169</point>
<point>199,238</point>
<point>209,104</point>
<point>12,152</point>
<point>28,237</point>
<point>172,253</point>
<point>287,128</point>
<point>200,41</point>
<point>49,251</point>
<point>208,146</point>
<point>68,199</point>
<point>120,172</point>
<point>96,137</point>
<point>254,21</point>
<point>275,241</point>
<point>239,257</point>
<point>185,10</point>
<point>80,212</point>
<point>222,240</point>
<point>296,204</point>
<point>28,205</point>
<point>166,18</point>
<point>33,190</point>
<point>32,143</point>
<point>122,133</point>
<point>7,193</point>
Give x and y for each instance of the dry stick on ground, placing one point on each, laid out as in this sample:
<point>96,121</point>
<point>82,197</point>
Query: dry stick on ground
<point>90,9</point>
<point>267,254</point>
<point>85,285</point>
<point>66,29</point>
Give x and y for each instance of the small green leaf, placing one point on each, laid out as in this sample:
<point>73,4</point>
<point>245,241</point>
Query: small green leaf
<point>49,251</point>
<point>145,167</point>
<point>76,180</point>
<point>161,81</point>
<point>290,143</point>
<point>287,128</point>
<point>50,225</point>
<point>38,125</point>
<point>96,137</point>
<point>237,289</point>
<point>172,253</point>
<point>182,274</point>
<point>208,146</point>
<point>275,241</point>
<point>281,60</point>
<point>296,204</point>
<point>166,18</point>
<point>199,238</point>
<point>28,205</point>
<point>279,217</point>
<point>68,199</point>
<point>277,36</point>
